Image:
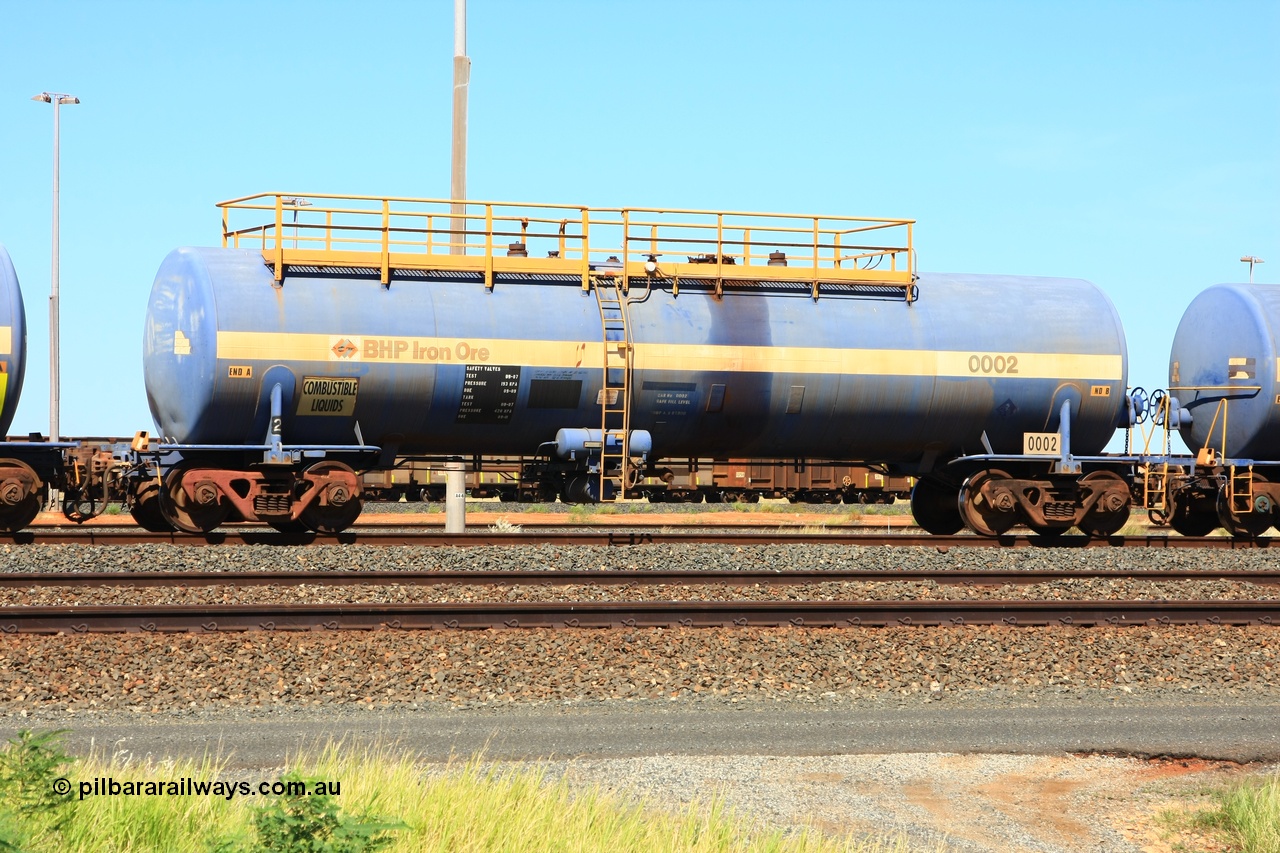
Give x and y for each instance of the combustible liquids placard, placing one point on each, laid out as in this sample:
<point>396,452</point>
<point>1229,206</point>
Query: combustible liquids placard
<point>489,394</point>
<point>329,396</point>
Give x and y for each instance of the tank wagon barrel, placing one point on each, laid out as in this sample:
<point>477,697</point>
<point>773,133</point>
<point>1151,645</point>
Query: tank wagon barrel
<point>336,335</point>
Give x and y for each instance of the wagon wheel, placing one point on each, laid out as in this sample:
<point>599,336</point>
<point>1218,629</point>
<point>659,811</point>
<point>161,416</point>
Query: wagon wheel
<point>331,518</point>
<point>22,511</point>
<point>184,513</point>
<point>933,505</point>
<point>145,507</point>
<point>1247,525</point>
<point>1099,521</point>
<point>1189,522</point>
<point>978,514</point>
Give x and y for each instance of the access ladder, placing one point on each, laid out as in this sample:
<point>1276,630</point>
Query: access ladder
<point>615,391</point>
<point>1240,489</point>
<point>1155,487</point>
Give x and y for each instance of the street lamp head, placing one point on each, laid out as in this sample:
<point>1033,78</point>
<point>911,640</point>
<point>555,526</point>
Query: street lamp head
<point>49,98</point>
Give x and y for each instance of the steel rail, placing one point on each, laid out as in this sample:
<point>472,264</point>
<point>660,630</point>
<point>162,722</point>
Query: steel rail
<point>606,577</point>
<point>629,614</point>
<point>610,537</point>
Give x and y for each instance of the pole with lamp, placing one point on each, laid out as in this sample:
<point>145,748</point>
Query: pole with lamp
<point>1251,261</point>
<point>455,503</point>
<point>295,203</point>
<point>57,99</point>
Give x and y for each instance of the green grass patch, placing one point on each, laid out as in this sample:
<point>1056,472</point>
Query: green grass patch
<point>1244,817</point>
<point>386,801</point>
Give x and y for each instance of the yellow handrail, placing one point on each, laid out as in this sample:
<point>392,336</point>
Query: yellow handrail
<point>714,246</point>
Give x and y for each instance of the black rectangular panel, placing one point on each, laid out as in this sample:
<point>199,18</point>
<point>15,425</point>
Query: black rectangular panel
<point>489,394</point>
<point>555,393</point>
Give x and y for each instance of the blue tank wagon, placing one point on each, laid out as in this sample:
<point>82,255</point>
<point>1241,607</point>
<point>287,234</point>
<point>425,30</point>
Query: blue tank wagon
<point>692,334</point>
<point>1224,378</point>
<point>13,341</point>
<point>27,468</point>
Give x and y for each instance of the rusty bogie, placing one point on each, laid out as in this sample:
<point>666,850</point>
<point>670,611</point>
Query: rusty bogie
<point>991,502</point>
<point>269,495</point>
<point>1241,499</point>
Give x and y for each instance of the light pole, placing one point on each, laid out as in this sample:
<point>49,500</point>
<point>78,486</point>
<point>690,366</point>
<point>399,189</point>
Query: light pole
<point>57,99</point>
<point>1251,260</point>
<point>295,203</point>
<point>455,501</point>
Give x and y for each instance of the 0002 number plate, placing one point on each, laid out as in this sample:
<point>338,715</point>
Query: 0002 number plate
<point>1041,444</point>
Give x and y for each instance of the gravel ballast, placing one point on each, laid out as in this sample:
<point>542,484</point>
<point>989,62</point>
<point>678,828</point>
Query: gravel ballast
<point>741,665</point>
<point>357,558</point>
<point>495,668</point>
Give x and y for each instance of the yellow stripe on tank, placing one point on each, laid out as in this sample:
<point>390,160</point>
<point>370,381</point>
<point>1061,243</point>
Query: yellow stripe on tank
<point>6,348</point>
<point>266,346</point>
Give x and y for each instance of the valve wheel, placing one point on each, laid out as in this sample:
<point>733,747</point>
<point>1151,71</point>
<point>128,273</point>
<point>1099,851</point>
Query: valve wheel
<point>1157,406</point>
<point>1139,402</point>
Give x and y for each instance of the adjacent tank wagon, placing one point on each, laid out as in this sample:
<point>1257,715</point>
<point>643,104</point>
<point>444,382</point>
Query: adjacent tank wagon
<point>13,341</point>
<point>1225,387</point>
<point>26,467</point>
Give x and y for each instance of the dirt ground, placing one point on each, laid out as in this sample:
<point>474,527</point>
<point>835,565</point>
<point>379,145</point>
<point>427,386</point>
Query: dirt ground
<point>948,802</point>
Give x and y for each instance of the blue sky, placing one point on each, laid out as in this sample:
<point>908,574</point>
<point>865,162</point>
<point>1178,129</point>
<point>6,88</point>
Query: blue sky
<point>1133,144</point>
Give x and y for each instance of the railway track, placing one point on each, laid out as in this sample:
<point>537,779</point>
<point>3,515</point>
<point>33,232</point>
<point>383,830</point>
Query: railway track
<point>619,577</point>
<point>212,618</point>
<point>612,537</point>
<point>625,614</point>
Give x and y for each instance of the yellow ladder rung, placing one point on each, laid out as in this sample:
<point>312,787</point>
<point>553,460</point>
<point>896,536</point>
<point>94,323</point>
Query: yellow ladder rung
<point>614,406</point>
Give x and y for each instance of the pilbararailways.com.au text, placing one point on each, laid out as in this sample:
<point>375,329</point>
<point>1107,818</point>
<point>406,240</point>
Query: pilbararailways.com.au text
<point>105,786</point>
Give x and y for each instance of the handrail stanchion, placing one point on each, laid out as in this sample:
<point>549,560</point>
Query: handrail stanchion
<point>279,242</point>
<point>586,261</point>
<point>719,255</point>
<point>386,243</point>
<point>815,259</point>
<point>488,247</point>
